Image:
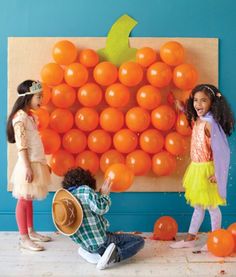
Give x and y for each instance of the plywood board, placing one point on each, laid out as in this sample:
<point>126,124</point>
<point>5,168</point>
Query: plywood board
<point>26,57</point>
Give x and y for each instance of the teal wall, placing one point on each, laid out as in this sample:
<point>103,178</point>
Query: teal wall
<point>156,18</point>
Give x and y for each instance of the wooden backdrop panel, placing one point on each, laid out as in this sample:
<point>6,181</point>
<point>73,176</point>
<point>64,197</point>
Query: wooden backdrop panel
<point>26,57</point>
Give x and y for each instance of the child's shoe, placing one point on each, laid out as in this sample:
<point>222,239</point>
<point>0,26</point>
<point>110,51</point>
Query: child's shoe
<point>108,257</point>
<point>204,248</point>
<point>92,258</point>
<point>30,245</point>
<point>37,237</point>
<point>183,244</point>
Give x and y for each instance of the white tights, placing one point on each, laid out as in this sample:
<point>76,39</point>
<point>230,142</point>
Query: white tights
<point>198,216</point>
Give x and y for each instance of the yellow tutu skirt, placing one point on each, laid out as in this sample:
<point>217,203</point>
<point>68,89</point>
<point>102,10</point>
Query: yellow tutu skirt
<point>198,189</point>
<point>38,188</point>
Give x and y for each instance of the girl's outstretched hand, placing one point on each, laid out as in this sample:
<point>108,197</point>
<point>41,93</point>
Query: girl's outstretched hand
<point>179,105</point>
<point>212,179</point>
<point>29,175</point>
<point>106,187</point>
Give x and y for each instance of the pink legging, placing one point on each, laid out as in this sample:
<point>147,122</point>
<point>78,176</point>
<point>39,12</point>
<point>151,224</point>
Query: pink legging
<point>24,215</point>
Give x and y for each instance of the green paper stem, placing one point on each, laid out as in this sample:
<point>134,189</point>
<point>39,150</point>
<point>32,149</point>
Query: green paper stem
<point>117,48</point>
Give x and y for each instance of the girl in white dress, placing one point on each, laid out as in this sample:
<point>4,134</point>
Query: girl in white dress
<point>31,175</point>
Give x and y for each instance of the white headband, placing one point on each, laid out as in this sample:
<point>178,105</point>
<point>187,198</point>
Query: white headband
<point>218,94</point>
<point>35,88</point>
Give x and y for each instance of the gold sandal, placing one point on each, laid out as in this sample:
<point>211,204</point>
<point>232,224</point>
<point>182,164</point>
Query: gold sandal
<point>40,238</point>
<point>30,245</point>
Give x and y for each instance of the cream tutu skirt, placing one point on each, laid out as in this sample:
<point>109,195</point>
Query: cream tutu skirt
<point>38,189</point>
<point>198,189</point>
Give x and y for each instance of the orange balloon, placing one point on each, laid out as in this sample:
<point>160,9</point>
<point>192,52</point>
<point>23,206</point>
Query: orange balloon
<point>159,74</point>
<point>88,160</point>
<point>99,141</point>
<point>130,74</point>
<point>172,53</point>
<point>137,119</point>
<point>121,176</point>
<point>63,96</point>
<point>76,75</point>
<point>185,76</point>
<point>117,95</point>
<point>174,143</point>
<point>170,98</point>
<point>105,73</point>
<point>74,141</point>
<point>139,162</point>
<point>88,58</point>
<point>125,141</point>
<point>51,141</point>
<point>146,56</point>
<point>90,95</point>
<point>111,157</point>
<point>165,228</point>
<point>220,243</point>
<point>163,117</point>
<point>61,120</point>
<point>43,118</point>
<point>61,162</point>
<point>52,74</point>
<point>232,230</point>
<point>182,125</point>
<point>46,95</point>
<point>151,141</point>
<point>163,163</point>
<point>111,119</point>
<point>64,52</point>
<point>149,97</point>
<point>86,119</point>
<point>185,95</point>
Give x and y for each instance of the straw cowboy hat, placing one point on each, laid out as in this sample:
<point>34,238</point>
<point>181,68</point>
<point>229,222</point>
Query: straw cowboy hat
<point>67,212</point>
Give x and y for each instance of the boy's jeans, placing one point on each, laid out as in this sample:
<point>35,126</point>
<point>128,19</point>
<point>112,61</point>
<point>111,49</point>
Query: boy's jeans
<point>127,245</point>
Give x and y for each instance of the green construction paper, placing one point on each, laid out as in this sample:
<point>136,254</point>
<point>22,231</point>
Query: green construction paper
<point>117,48</point>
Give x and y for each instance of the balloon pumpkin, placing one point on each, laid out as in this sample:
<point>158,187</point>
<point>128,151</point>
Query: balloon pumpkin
<point>115,110</point>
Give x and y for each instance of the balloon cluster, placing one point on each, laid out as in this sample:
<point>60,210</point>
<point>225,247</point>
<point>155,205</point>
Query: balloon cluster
<point>95,115</point>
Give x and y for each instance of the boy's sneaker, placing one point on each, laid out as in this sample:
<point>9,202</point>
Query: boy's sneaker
<point>92,258</point>
<point>108,257</point>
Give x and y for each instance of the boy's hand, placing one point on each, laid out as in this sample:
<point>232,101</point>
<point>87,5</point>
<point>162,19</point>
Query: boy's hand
<point>106,187</point>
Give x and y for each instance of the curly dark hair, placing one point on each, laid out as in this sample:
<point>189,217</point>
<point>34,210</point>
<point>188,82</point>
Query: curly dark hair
<point>220,109</point>
<point>77,177</point>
